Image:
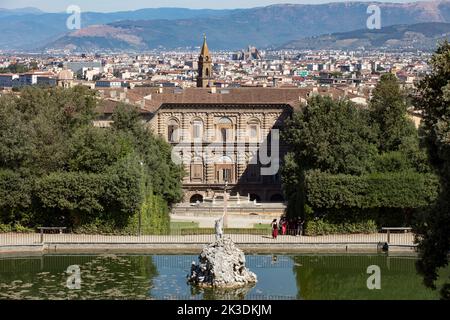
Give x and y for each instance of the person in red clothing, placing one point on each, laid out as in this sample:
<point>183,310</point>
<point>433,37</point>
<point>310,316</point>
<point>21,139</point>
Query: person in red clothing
<point>274,228</point>
<point>284,227</point>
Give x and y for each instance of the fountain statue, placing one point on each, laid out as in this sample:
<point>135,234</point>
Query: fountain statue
<point>221,263</point>
<point>219,228</point>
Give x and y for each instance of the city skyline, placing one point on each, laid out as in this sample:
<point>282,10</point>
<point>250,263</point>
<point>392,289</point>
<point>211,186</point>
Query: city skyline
<point>114,5</point>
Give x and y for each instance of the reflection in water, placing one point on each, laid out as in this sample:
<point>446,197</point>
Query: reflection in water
<point>164,277</point>
<point>102,277</point>
<point>221,293</point>
<point>331,277</point>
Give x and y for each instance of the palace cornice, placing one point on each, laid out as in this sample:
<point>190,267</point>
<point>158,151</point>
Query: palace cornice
<point>193,107</point>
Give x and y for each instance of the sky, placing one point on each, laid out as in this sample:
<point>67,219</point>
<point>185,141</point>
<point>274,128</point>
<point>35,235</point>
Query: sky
<point>125,5</point>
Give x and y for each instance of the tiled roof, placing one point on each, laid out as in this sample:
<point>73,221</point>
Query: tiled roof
<point>108,106</point>
<point>156,97</point>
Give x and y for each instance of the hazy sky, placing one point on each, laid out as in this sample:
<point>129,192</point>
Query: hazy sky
<point>123,5</point>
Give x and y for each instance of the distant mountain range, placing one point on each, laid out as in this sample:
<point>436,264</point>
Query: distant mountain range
<point>19,11</point>
<point>30,29</point>
<point>423,36</point>
<point>170,28</point>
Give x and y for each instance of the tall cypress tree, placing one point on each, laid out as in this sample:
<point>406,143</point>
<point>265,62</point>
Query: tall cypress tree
<point>388,110</point>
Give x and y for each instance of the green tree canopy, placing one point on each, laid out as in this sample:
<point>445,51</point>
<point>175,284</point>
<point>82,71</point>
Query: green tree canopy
<point>434,102</point>
<point>388,111</point>
<point>56,167</point>
<point>333,136</point>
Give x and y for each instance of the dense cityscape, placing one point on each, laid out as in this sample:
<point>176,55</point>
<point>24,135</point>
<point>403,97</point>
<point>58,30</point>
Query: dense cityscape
<point>327,165</point>
<point>350,73</point>
<point>357,71</point>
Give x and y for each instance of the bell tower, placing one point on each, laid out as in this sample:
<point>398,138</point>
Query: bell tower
<point>204,67</point>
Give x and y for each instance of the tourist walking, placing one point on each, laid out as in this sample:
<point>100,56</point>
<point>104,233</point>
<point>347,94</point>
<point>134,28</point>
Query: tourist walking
<point>274,228</point>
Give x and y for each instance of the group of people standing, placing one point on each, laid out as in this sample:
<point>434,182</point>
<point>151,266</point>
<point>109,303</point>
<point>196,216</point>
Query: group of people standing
<point>293,226</point>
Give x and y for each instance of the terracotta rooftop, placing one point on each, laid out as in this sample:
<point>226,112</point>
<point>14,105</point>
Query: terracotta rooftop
<point>107,106</point>
<point>156,97</point>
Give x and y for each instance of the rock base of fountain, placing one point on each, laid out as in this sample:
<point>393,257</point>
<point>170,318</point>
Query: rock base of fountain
<point>221,264</point>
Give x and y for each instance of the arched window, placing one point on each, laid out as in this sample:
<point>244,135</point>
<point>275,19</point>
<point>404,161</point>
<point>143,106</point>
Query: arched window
<point>225,127</point>
<point>172,130</point>
<point>207,72</point>
<point>196,198</point>
<point>225,120</point>
<point>224,160</point>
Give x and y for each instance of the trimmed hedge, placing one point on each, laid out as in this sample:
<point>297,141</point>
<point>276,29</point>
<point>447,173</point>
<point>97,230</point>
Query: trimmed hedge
<point>388,190</point>
<point>317,227</point>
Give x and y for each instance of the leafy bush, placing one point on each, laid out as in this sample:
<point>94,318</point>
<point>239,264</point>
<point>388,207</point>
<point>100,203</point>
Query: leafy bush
<point>393,161</point>
<point>17,227</point>
<point>4,228</point>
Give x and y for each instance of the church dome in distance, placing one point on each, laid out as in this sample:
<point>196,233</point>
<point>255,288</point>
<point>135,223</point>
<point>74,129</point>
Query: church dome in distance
<point>65,75</point>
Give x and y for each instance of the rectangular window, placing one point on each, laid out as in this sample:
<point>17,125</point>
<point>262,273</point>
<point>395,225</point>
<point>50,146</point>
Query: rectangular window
<point>197,171</point>
<point>171,133</point>
<point>224,173</point>
<point>197,130</point>
<point>227,175</point>
<point>223,132</point>
<point>253,131</point>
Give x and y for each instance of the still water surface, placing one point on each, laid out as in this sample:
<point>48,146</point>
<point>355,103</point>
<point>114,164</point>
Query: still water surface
<point>164,277</point>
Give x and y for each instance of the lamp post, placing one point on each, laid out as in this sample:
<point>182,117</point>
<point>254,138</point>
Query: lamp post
<point>142,185</point>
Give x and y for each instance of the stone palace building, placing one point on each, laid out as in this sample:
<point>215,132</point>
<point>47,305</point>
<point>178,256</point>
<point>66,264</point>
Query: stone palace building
<point>220,133</point>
